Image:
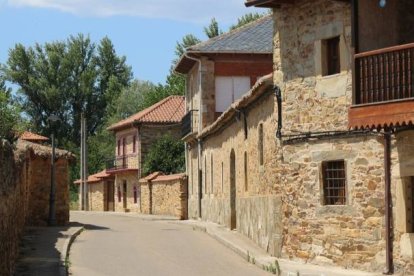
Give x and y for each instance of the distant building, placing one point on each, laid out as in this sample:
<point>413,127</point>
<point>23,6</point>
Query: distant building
<point>134,137</point>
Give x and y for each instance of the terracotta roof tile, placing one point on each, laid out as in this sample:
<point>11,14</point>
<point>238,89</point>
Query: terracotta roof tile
<point>169,110</point>
<point>95,177</point>
<point>159,176</point>
<point>169,177</point>
<point>33,137</point>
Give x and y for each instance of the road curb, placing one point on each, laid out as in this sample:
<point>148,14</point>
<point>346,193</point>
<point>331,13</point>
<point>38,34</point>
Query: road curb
<point>64,256</point>
<point>242,253</point>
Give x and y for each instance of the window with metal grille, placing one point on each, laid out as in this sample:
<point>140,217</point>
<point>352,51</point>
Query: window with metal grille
<point>334,182</point>
<point>332,56</point>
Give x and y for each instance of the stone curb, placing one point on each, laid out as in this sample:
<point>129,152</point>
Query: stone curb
<point>64,255</point>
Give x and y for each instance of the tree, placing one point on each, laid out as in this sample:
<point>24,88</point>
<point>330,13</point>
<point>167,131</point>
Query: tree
<point>246,19</point>
<point>9,114</point>
<point>213,29</point>
<point>67,78</point>
<point>165,155</point>
<point>187,41</point>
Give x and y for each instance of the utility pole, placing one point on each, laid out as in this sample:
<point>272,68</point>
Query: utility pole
<point>81,190</point>
<point>83,166</point>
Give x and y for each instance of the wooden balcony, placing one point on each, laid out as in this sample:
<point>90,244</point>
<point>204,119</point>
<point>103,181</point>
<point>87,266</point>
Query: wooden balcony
<point>384,88</point>
<point>122,163</point>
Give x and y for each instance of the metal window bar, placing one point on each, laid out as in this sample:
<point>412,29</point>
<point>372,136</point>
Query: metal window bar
<point>334,182</point>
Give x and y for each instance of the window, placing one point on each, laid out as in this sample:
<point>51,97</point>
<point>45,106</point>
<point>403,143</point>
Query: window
<point>229,90</point>
<point>123,146</point>
<point>334,182</point>
<point>134,144</point>
<point>211,173</point>
<point>205,175</point>
<point>260,144</point>
<point>246,183</point>
<point>332,63</point>
<point>119,147</point>
<point>135,194</point>
<point>119,193</point>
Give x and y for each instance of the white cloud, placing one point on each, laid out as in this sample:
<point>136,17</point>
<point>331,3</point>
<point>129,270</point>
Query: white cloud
<point>198,11</point>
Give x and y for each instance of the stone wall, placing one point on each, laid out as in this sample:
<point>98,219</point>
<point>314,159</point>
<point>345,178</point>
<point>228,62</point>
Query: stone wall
<point>13,206</point>
<point>311,101</point>
<point>165,195</point>
<point>40,172</point>
<point>97,196</point>
<point>258,205</point>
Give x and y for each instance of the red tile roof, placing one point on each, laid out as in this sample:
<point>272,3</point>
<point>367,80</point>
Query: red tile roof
<point>33,137</point>
<point>169,110</point>
<point>159,176</point>
<point>95,177</point>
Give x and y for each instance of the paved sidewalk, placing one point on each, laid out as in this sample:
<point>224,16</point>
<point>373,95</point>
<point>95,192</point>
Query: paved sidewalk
<point>254,254</point>
<point>43,250</point>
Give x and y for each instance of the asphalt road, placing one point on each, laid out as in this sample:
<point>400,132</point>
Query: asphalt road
<point>115,244</point>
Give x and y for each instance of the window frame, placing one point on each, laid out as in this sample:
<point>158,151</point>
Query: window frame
<point>330,184</point>
<point>331,56</point>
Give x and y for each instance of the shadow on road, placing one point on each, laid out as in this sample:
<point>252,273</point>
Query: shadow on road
<point>87,226</point>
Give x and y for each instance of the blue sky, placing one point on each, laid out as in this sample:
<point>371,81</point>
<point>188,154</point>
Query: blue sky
<point>145,31</point>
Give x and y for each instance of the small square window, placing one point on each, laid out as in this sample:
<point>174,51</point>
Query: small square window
<point>334,182</point>
<point>331,56</point>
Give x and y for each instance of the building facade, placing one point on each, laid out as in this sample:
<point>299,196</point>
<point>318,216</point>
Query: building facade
<point>315,163</point>
<point>218,73</point>
<point>134,138</point>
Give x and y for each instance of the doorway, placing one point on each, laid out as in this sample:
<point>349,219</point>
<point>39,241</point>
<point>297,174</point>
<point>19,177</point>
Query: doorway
<point>233,219</point>
<point>110,196</point>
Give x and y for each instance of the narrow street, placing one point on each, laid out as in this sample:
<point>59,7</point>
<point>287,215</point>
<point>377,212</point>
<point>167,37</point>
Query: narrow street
<point>115,244</point>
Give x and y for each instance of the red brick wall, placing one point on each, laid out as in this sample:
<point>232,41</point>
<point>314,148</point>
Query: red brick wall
<point>252,69</point>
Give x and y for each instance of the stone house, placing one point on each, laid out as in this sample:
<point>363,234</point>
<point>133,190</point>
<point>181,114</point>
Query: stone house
<point>100,191</point>
<point>134,138</point>
<point>315,163</point>
<point>218,72</point>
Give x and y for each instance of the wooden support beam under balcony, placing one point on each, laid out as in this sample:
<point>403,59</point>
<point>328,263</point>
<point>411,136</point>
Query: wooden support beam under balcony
<point>388,114</point>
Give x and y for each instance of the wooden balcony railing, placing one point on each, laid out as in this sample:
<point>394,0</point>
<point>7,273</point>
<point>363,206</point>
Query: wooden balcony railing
<point>384,75</point>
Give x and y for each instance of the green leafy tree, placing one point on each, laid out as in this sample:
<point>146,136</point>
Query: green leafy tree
<point>165,155</point>
<point>246,19</point>
<point>187,41</point>
<point>66,78</point>
<point>213,29</point>
<point>9,114</point>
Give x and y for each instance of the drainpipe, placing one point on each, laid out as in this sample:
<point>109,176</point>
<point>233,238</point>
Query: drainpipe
<point>278,94</point>
<point>200,127</point>
<point>388,204</point>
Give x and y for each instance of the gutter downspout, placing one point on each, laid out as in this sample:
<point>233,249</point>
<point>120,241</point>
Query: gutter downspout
<point>388,204</point>
<point>200,112</point>
<point>278,94</point>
